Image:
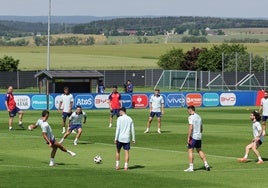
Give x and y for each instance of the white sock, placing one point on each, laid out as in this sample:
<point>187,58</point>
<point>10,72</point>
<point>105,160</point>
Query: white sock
<point>246,156</point>
<point>206,163</point>
<point>70,152</point>
<point>259,158</point>
<point>52,160</point>
<point>20,122</point>
<point>191,166</point>
<point>63,129</point>
<point>75,139</point>
<point>116,163</point>
<point>126,165</point>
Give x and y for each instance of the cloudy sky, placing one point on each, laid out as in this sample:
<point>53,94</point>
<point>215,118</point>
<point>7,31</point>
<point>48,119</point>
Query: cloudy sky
<point>213,8</point>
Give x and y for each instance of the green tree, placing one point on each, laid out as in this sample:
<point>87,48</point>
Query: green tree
<point>7,63</point>
<point>172,60</point>
<point>211,60</point>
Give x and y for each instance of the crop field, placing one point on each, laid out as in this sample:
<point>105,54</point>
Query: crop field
<point>105,57</point>
<point>156,160</point>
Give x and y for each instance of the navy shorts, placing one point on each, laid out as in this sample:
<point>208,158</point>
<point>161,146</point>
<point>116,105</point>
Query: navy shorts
<point>74,126</point>
<point>66,114</point>
<point>194,143</point>
<point>114,112</point>
<point>14,112</point>
<point>264,118</point>
<point>157,114</point>
<point>126,146</point>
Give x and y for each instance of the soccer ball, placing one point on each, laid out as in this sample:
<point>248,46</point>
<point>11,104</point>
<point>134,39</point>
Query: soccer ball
<point>97,159</point>
<point>30,128</point>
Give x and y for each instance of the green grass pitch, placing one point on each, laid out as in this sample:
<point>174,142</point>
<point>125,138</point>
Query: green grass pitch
<point>155,160</point>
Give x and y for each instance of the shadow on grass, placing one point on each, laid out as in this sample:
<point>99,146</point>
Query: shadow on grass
<point>60,164</point>
<point>265,159</point>
<point>136,166</point>
<point>202,168</point>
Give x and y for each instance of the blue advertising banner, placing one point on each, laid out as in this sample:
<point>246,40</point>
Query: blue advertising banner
<point>137,100</point>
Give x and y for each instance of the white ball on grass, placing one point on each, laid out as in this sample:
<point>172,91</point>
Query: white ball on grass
<point>30,128</point>
<point>97,159</point>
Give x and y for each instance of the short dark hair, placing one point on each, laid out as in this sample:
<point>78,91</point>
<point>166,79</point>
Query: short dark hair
<point>45,112</point>
<point>191,107</point>
<point>123,109</point>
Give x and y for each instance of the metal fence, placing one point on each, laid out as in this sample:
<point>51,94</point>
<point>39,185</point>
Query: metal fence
<point>205,80</point>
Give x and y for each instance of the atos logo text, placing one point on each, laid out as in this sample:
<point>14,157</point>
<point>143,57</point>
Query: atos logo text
<point>85,101</point>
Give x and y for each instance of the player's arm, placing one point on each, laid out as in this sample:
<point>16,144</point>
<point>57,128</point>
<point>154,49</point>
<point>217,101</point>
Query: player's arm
<point>59,106</point>
<point>85,119</point>
<point>150,106</point>
<point>162,108</point>
<point>190,130</point>
<point>46,138</point>
<point>6,105</point>
<point>71,105</point>
<point>32,127</point>
<point>260,108</point>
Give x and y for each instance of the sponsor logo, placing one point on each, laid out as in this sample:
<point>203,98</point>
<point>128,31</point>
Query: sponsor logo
<point>39,102</point>
<point>227,99</point>
<point>139,101</point>
<point>126,100</point>
<point>85,101</point>
<point>194,99</point>
<point>101,101</point>
<point>23,101</point>
<point>176,100</point>
<point>211,99</point>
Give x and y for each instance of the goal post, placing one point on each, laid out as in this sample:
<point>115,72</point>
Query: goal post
<point>177,80</point>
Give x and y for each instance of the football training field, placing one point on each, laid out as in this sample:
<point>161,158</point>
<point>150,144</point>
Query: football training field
<point>155,160</point>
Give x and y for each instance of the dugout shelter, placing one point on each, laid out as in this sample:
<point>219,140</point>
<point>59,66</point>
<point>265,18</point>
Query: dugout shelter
<point>78,81</point>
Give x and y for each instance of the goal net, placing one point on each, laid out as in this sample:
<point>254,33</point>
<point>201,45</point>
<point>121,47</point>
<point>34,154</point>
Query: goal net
<point>177,80</point>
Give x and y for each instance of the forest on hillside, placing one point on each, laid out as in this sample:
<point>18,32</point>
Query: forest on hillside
<point>140,26</point>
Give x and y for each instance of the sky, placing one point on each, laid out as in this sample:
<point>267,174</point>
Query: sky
<point>103,8</point>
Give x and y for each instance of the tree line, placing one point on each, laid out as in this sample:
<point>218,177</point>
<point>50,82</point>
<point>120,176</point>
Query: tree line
<point>227,57</point>
<point>149,26</point>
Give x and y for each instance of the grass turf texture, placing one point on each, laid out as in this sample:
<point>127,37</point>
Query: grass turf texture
<point>155,160</point>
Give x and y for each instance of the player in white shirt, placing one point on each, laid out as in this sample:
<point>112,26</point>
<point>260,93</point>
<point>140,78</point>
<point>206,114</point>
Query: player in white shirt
<point>264,110</point>
<point>49,137</point>
<point>124,132</point>
<point>75,123</point>
<point>156,107</point>
<point>194,139</point>
<point>257,140</point>
<point>66,104</point>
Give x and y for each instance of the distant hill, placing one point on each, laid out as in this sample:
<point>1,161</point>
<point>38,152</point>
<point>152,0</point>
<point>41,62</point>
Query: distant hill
<point>55,19</point>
